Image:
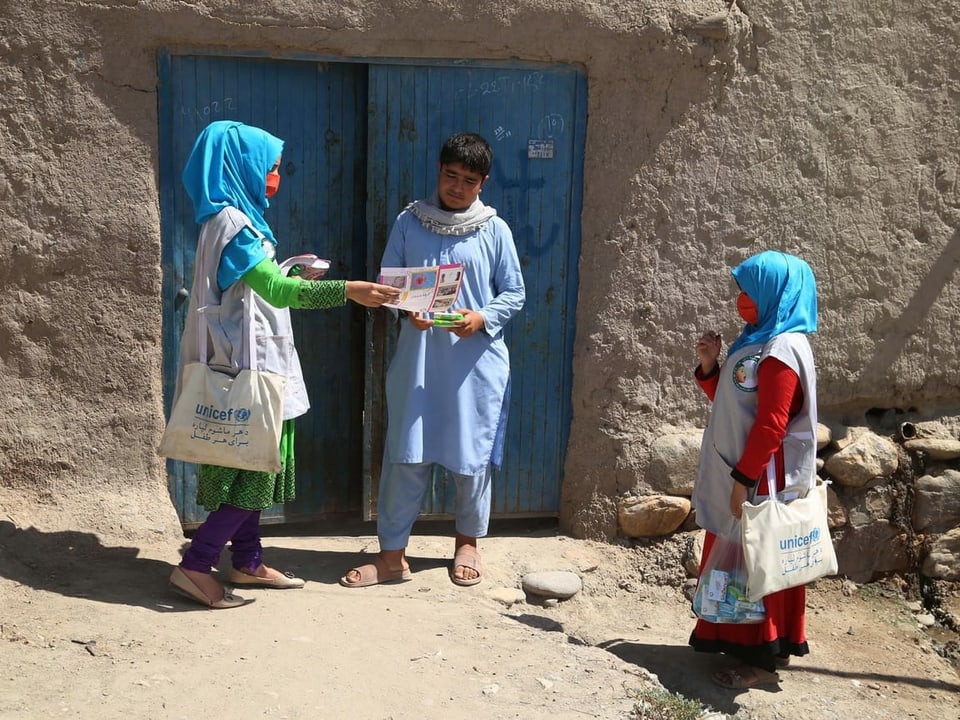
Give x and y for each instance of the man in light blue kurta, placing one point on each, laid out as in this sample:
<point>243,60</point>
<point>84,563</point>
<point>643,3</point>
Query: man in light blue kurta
<point>448,387</point>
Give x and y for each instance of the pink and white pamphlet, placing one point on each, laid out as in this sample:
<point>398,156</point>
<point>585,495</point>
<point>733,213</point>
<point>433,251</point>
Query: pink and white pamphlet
<point>424,289</point>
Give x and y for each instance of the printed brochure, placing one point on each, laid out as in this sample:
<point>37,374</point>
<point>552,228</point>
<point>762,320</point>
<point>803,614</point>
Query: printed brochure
<point>423,289</point>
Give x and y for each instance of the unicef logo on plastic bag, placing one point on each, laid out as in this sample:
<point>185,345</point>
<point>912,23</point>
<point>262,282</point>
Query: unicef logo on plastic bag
<point>243,415</point>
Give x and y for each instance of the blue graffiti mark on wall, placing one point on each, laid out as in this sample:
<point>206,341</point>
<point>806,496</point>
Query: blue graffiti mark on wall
<point>531,239</point>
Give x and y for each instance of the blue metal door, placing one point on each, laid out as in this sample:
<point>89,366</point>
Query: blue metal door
<point>535,119</point>
<point>319,110</point>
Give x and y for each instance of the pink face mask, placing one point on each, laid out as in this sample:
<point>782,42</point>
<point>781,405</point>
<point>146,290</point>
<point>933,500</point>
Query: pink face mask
<point>273,183</point>
<point>747,308</point>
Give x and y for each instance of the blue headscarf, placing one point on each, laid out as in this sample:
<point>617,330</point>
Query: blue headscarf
<point>228,166</point>
<point>785,291</point>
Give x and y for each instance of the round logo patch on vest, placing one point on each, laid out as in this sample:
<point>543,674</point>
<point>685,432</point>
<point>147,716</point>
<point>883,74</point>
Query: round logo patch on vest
<point>745,373</point>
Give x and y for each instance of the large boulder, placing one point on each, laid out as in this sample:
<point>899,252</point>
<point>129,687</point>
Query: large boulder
<point>936,504</point>
<point>943,560</point>
<point>673,462</point>
<point>936,448</point>
<point>864,552</point>
<point>652,515</point>
<point>865,506</point>
<point>824,436</point>
<point>867,457</point>
<point>836,510</point>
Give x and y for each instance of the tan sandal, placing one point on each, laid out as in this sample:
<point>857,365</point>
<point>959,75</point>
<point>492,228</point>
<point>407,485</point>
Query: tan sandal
<point>466,556</point>
<point>182,584</point>
<point>374,574</point>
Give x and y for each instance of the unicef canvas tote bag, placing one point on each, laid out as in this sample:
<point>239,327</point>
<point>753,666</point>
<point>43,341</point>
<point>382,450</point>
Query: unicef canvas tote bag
<point>228,421</point>
<point>223,420</point>
<point>786,544</point>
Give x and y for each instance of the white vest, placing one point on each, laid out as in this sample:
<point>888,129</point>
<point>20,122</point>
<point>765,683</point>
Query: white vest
<point>734,410</point>
<point>228,326</point>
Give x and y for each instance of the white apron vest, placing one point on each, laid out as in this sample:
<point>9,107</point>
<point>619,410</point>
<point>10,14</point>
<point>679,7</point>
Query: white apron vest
<point>227,324</point>
<point>734,410</point>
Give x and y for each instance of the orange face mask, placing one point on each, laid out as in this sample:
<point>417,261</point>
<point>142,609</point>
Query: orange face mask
<point>747,308</point>
<point>273,183</point>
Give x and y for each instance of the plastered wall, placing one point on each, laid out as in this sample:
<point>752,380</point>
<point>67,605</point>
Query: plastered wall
<point>828,132</point>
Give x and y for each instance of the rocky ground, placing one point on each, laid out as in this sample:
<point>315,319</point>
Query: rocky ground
<point>89,630</point>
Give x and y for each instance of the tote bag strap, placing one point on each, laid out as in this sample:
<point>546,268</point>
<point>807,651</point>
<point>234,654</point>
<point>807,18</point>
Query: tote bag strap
<point>772,480</point>
<point>202,306</point>
<point>772,467</point>
<point>250,339</point>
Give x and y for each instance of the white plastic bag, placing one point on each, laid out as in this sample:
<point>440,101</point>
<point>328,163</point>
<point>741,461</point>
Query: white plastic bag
<point>721,595</point>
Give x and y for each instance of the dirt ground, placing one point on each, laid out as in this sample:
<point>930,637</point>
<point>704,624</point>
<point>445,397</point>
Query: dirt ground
<point>92,631</point>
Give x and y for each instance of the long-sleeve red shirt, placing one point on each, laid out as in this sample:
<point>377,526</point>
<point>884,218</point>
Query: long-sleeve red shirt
<point>779,398</point>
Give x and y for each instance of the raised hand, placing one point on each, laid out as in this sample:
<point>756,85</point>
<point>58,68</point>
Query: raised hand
<point>708,350</point>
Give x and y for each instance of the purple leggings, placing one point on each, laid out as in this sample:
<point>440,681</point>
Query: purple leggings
<point>227,523</point>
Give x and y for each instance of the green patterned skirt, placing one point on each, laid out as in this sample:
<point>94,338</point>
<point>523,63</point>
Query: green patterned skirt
<point>249,489</point>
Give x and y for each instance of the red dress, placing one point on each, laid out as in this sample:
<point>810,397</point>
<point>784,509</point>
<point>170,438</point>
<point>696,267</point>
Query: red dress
<point>783,632</point>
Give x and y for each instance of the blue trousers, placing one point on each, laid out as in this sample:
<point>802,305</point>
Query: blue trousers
<point>402,488</point>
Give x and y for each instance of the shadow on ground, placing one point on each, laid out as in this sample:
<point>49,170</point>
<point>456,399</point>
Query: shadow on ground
<point>77,564</point>
<point>681,670</point>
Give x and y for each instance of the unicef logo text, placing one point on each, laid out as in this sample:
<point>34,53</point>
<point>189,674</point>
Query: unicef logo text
<point>223,415</point>
<point>801,541</point>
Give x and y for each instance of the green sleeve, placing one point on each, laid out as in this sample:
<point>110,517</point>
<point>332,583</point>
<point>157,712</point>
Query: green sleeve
<point>266,280</point>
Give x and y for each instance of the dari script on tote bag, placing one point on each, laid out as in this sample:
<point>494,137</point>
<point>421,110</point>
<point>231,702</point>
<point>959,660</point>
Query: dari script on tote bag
<point>220,419</point>
<point>786,544</point>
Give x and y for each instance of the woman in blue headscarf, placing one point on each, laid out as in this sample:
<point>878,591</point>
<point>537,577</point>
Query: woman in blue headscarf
<point>229,176</point>
<point>763,419</point>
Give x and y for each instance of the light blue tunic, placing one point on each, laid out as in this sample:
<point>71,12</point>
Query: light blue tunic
<point>446,395</point>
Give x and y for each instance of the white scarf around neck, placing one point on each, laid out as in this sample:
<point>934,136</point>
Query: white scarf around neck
<point>445,222</point>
